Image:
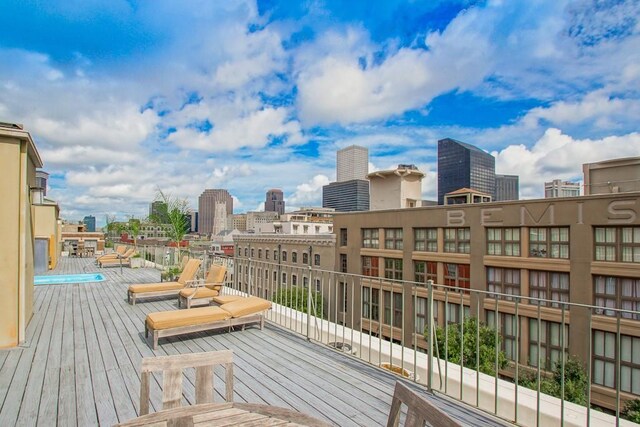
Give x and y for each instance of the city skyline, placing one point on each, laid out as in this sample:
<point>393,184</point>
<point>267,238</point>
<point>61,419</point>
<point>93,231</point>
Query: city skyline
<point>252,85</point>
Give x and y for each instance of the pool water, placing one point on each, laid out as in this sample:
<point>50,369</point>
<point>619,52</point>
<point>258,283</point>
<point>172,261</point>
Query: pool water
<point>68,278</point>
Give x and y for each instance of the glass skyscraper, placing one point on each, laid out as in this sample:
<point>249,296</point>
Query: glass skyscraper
<point>461,165</point>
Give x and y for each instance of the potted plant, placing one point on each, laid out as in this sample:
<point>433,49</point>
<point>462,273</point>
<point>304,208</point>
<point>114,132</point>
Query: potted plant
<point>171,274</point>
<point>137,261</point>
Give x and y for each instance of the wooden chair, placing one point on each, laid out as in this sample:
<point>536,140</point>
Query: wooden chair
<point>419,410</point>
<point>172,375</point>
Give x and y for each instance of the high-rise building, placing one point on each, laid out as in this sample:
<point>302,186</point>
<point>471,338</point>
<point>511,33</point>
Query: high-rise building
<point>507,187</point>
<point>274,201</point>
<point>346,196</point>
<point>89,222</point>
<point>351,191</point>
<point>560,188</point>
<point>395,189</point>
<point>207,208</point>
<point>461,165</point>
<point>158,211</point>
<point>352,163</point>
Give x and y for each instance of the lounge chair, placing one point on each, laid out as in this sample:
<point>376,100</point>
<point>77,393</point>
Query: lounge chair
<point>120,250</point>
<point>241,312</point>
<point>124,259</point>
<point>203,292</point>
<point>164,288</point>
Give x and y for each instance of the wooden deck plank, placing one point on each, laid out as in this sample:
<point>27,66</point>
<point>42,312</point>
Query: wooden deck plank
<point>85,401</point>
<point>67,388</point>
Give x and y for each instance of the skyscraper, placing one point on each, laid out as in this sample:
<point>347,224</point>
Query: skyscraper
<point>158,211</point>
<point>274,201</point>
<point>351,191</point>
<point>560,188</point>
<point>207,208</point>
<point>352,163</point>
<point>507,187</point>
<point>462,165</point>
<point>89,223</point>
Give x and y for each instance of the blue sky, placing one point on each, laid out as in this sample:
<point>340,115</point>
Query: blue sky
<point>125,97</point>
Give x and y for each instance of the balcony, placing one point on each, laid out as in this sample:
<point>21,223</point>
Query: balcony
<point>80,362</point>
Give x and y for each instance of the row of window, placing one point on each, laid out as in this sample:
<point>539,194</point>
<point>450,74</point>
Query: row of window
<point>294,255</point>
<point>621,244</point>
<point>294,277</point>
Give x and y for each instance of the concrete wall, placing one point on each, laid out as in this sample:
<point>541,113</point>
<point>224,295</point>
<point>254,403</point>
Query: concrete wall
<point>46,227</point>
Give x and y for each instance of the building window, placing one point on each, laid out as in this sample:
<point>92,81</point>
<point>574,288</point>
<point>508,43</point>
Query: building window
<point>604,361</point>
<point>457,240</point>
<point>266,274</point>
<point>503,241</point>
<point>370,238</point>
<point>294,257</point>
<point>275,255</point>
<point>549,242</point>
<point>317,285</point>
<point>425,270</point>
<point>393,268</point>
<point>305,258</point>
<point>239,251</point>
<point>253,252</point>
<point>549,285</point>
<point>343,263</point>
<point>305,282</point>
<point>275,277</point>
<point>284,256</point>
<point>617,292</point>
<point>294,280</point>
<point>507,330</point>
<point>425,239</point>
<point>503,281</point>
<point>397,308</point>
<point>246,252</point>
<point>393,238</point>
<point>453,313</point>
<point>259,253</point>
<point>550,343</point>
<point>343,237</point>
<point>371,303</point>
<point>620,244</point>
<point>421,314</point>
<point>457,275</point>
<point>370,266</point>
<point>284,278</point>
<point>316,259</point>
<point>266,254</point>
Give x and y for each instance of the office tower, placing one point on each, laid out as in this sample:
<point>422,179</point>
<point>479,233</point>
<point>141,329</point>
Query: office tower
<point>192,220</point>
<point>560,188</point>
<point>395,189</point>
<point>42,178</point>
<point>351,191</point>
<point>207,208</point>
<point>346,196</point>
<point>89,223</point>
<point>462,165</point>
<point>507,187</point>
<point>158,212</point>
<point>274,201</point>
<point>612,176</point>
<point>352,163</point>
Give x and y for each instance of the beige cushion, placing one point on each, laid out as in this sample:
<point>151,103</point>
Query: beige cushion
<point>155,287</point>
<point>201,292</point>
<point>223,299</point>
<point>188,317</point>
<point>245,306</point>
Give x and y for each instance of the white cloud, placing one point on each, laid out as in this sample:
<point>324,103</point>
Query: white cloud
<point>308,193</point>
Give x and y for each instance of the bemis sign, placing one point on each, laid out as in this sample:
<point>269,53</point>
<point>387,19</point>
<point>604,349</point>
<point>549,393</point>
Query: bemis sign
<point>602,211</point>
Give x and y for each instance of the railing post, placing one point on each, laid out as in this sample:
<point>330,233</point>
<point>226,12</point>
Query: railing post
<point>431,331</point>
<point>308,301</point>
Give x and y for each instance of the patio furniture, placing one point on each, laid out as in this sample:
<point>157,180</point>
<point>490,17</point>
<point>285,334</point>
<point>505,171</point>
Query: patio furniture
<point>148,290</point>
<point>223,299</point>
<point>118,260</point>
<point>241,312</point>
<point>203,292</point>
<point>419,410</point>
<point>227,414</point>
<point>172,372</point>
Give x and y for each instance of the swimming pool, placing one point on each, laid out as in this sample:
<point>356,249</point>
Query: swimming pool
<point>60,279</point>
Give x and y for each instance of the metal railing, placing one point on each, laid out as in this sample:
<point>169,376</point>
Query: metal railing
<point>418,330</point>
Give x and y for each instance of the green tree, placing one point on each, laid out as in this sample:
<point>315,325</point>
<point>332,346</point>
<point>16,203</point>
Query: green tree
<point>488,343</point>
<point>110,228</point>
<point>132,227</point>
<point>631,410</point>
<point>171,214</point>
<point>296,298</point>
<point>575,382</point>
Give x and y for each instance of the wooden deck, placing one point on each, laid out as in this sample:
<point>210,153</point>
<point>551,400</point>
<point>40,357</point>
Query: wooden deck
<point>80,363</point>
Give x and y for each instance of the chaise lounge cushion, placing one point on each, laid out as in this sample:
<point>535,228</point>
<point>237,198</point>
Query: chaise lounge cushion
<point>155,287</point>
<point>244,306</point>
<point>201,292</point>
<point>224,299</point>
<point>193,316</point>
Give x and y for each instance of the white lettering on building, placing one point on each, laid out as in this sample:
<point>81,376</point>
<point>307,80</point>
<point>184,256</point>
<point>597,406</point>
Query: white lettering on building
<point>549,209</point>
<point>455,218</point>
<point>618,215</point>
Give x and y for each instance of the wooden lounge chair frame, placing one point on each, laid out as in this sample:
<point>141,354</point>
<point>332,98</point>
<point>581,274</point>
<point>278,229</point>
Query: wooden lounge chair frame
<point>190,300</point>
<point>172,371</point>
<point>124,259</point>
<point>419,410</point>
<point>210,326</point>
<point>133,296</point>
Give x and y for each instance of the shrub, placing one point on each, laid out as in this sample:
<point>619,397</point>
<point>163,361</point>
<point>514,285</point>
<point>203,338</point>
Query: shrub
<point>296,298</point>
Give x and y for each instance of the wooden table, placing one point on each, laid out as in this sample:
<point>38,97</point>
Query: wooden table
<point>226,414</point>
